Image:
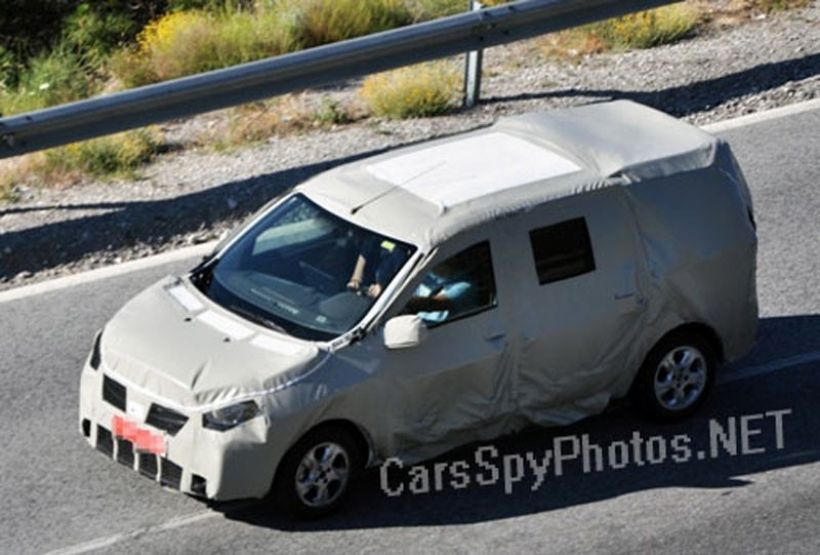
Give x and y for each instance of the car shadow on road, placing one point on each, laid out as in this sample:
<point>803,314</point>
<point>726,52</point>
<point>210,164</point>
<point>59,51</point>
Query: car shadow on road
<point>150,223</point>
<point>725,464</point>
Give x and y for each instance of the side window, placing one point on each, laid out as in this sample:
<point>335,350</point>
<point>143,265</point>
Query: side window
<point>562,251</point>
<point>460,286</point>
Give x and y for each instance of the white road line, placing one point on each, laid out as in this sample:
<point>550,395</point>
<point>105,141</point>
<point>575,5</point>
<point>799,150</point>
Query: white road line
<point>199,250</point>
<point>768,368</point>
<point>107,272</point>
<point>759,117</point>
<point>108,541</point>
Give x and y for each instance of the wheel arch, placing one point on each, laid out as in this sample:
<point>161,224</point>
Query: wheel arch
<point>704,330</point>
<point>363,439</point>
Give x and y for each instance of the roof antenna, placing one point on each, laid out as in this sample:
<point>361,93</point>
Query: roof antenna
<point>396,186</point>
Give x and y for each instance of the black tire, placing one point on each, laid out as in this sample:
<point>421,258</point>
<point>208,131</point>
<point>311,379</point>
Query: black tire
<point>341,451</point>
<point>675,397</point>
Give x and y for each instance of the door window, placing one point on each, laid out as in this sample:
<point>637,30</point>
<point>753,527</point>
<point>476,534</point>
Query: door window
<point>460,286</point>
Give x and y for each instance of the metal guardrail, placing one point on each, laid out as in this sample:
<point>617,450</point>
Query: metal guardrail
<point>322,65</point>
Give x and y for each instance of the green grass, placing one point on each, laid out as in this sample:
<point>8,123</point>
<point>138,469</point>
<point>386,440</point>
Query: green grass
<point>52,79</point>
<point>416,91</point>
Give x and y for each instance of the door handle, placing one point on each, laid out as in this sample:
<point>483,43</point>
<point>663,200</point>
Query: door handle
<point>493,335</point>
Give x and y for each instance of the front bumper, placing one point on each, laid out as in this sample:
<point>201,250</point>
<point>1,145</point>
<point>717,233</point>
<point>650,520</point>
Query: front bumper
<point>220,465</point>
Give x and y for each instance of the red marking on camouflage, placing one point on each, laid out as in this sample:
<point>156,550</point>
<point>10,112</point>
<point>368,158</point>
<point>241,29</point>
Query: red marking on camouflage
<point>143,440</point>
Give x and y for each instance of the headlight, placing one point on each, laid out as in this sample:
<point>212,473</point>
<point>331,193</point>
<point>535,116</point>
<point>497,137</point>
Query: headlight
<point>231,416</point>
<point>96,357</point>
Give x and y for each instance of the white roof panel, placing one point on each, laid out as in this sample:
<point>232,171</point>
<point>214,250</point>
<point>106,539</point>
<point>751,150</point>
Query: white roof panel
<point>462,170</point>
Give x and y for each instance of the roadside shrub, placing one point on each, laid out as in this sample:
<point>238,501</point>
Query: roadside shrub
<point>317,22</point>
<point>6,187</point>
<point>776,5</point>
<point>118,154</point>
<point>649,28</point>
<point>258,121</point>
<point>186,42</point>
<point>423,10</point>
<point>94,35</point>
<point>415,91</point>
<point>638,30</point>
<point>332,112</point>
<point>52,79</point>
<point>8,68</point>
<point>115,155</point>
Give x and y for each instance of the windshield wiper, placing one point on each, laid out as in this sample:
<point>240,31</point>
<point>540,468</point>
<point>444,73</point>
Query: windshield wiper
<point>256,318</point>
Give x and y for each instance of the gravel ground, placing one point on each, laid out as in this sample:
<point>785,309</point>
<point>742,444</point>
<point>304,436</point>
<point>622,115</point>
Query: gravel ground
<point>193,196</point>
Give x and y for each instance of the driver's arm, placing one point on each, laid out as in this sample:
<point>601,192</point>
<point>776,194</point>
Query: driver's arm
<point>355,280</point>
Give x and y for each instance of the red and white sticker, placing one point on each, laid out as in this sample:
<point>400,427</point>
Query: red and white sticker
<point>145,441</point>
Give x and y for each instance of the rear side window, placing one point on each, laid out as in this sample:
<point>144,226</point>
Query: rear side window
<point>562,251</point>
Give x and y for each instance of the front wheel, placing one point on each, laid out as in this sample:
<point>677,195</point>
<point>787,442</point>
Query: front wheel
<point>316,473</point>
<point>676,376</point>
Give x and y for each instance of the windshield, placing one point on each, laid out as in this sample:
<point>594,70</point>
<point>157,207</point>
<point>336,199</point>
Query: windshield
<point>303,271</point>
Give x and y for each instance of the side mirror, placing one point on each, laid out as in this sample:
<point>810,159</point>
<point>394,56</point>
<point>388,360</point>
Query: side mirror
<point>404,331</point>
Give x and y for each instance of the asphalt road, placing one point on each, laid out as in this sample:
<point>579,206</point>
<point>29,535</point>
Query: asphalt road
<point>58,493</point>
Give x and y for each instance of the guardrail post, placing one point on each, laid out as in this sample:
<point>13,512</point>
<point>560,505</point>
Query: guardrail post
<point>472,68</point>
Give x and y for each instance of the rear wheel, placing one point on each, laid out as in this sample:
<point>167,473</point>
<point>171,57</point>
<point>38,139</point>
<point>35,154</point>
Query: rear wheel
<point>676,376</point>
<point>316,474</point>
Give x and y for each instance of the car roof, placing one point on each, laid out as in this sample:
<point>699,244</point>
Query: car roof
<point>428,192</point>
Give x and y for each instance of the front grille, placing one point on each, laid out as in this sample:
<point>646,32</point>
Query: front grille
<point>148,465</point>
<point>125,452</point>
<point>165,419</point>
<point>105,442</point>
<point>114,393</point>
<point>171,474</point>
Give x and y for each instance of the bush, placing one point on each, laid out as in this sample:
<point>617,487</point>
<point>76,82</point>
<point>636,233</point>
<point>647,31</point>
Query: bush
<point>53,79</point>
<point>186,42</point>
<point>118,154</point>
<point>649,28</point>
<point>424,10</point>
<point>317,22</point>
<point>638,30</point>
<point>415,91</point>
<point>776,5</point>
<point>6,187</point>
<point>94,35</point>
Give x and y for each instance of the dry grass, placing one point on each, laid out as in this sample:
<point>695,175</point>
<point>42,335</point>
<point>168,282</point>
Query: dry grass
<point>316,22</point>
<point>115,155</point>
<point>416,91</point>
<point>7,183</point>
<point>183,43</point>
<point>774,5</point>
<point>258,121</point>
<point>639,30</point>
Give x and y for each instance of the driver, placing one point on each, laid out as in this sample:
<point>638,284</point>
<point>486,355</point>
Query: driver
<point>385,257</point>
